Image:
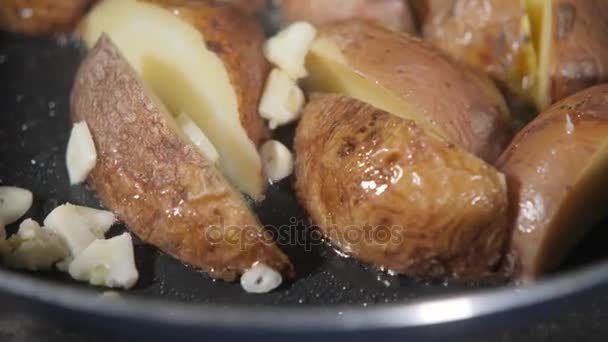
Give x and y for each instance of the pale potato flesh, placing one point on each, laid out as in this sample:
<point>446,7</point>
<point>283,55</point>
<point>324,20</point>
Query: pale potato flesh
<point>556,169</point>
<point>170,55</point>
<point>539,12</point>
<point>389,194</point>
<point>406,77</point>
<point>156,181</point>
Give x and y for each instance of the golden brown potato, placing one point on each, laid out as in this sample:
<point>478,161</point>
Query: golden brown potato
<point>571,37</point>
<point>390,194</point>
<point>159,185</point>
<point>41,17</point>
<point>394,14</point>
<point>493,35</point>
<point>214,71</point>
<point>556,169</point>
<point>404,76</point>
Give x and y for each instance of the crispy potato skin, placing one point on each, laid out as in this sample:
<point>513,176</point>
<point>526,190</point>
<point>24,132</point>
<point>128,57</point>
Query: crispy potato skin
<point>462,105</point>
<point>486,34</point>
<point>394,14</point>
<point>579,56</point>
<point>41,17</point>
<point>552,204</point>
<point>386,192</point>
<point>238,40</point>
<point>165,191</point>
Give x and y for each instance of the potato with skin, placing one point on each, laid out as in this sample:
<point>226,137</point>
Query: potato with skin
<point>41,17</point>
<point>247,6</point>
<point>214,71</point>
<point>156,182</point>
<point>406,77</point>
<point>389,193</point>
<point>556,170</point>
<point>492,35</point>
<point>394,14</point>
<point>571,37</point>
<point>238,41</point>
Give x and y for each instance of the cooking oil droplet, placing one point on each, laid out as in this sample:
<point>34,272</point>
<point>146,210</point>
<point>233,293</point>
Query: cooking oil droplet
<point>569,125</point>
<point>26,13</point>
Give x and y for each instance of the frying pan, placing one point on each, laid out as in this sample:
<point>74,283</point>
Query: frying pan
<point>333,296</point>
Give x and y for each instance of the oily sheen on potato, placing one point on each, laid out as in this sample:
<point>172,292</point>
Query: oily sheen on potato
<point>202,59</point>
<point>493,35</point>
<point>389,193</point>
<point>394,14</point>
<point>556,169</point>
<point>404,76</point>
<point>157,182</point>
<point>571,37</point>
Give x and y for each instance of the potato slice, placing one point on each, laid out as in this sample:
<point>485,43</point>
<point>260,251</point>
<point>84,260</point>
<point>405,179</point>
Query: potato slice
<point>156,181</point>
<point>556,169</point>
<point>41,17</point>
<point>390,194</point>
<point>202,59</point>
<point>403,76</point>
<point>394,14</point>
<point>571,37</point>
<point>493,35</point>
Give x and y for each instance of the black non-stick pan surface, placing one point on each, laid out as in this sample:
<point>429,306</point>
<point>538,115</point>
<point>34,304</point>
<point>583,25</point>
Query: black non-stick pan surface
<point>332,296</point>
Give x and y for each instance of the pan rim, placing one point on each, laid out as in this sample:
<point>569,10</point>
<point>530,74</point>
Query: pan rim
<point>418,313</point>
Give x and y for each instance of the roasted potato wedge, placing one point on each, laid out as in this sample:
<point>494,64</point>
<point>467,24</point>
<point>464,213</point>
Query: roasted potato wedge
<point>571,37</point>
<point>214,71</point>
<point>394,14</point>
<point>404,76</point>
<point>389,193</point>
<point>247,6</point>
<point>556,170</point>
<point>41,17</point>
<point>157,183</point>
<point>493,35</point>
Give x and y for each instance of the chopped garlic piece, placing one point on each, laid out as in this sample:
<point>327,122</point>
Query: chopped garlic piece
<point>277,160</point>
<point>109,263</point>
<point>260,279</point>
<point>14,203</point>
<point>288,48</point>
<point>197,137</point>
<point>81,155</point>
<point>98,221</point>
<point>34,248</point>
<point>66,220</point>
<point>282,99</point>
